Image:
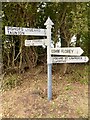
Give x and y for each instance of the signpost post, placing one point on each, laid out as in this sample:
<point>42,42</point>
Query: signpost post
<point>49,24</point>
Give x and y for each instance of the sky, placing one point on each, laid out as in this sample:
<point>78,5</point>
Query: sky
<point>58,44</point>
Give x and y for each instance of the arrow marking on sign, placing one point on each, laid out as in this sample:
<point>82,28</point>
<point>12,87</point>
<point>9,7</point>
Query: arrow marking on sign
<point>77,51</point>
<point>75,59</point>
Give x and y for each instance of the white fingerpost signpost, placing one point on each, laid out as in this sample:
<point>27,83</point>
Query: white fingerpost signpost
<point>74,52</point>
<point>49,24</point>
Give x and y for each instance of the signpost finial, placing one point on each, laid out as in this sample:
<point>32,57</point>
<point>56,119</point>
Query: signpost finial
<point>48,22</point>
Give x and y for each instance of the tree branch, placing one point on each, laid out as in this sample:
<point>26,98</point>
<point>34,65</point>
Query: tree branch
<point>17,56</point>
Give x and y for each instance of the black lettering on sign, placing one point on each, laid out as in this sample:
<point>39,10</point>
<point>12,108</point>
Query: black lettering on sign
<point>67,51</point>
<point>55,51</point>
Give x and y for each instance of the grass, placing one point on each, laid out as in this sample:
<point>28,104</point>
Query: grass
<point>79,74</point>
<point>75,74</point>
<point>10,81</point>
<point>68,87</point>
<point>79,112</point>
<point>70,100</point>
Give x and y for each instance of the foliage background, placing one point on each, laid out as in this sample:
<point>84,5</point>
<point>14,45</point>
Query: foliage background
<point>69,19</point>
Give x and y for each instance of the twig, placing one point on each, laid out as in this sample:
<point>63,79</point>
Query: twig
<point>17,55</point>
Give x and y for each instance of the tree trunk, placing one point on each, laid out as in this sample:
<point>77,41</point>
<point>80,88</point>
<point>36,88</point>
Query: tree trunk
<point>13,53</point>
<point>21,55</point>
<point>78,40</point>
<point>8,63</point>
<point>64,43</point>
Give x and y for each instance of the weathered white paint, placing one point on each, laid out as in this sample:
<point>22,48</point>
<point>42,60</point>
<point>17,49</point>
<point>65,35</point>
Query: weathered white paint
<point>75,59</point>
<point>77,51</point>
<point>24,31</point>
<point>49,24</point>
<point>37,42</point>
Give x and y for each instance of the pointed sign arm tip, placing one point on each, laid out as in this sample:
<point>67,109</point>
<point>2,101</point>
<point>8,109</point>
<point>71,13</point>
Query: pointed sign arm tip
<point>87,59</point>
<point>81,50</point>
<point>48,22</point>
